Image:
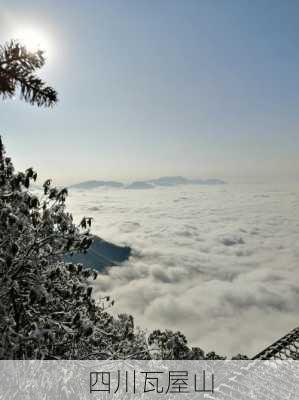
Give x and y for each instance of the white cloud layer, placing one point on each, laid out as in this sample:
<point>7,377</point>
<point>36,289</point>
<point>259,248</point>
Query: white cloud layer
<point>218,263</point>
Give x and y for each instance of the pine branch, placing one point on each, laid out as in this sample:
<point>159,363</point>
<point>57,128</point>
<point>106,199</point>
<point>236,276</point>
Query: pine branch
<point>17,67</point>
<point>13,53</point>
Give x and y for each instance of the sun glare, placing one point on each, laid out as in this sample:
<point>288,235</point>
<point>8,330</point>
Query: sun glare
<point>33,40</point>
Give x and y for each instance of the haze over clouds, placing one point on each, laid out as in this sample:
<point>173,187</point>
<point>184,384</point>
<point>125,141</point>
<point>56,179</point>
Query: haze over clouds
<point>218,263</point>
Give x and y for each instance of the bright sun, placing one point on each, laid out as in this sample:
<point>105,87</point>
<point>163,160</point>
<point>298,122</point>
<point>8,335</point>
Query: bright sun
<point>33,40</point>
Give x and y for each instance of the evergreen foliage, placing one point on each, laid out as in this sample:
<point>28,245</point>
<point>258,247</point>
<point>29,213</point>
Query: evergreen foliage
<point>17,70</point>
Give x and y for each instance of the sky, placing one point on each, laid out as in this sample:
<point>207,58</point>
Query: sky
<point>150,88</point>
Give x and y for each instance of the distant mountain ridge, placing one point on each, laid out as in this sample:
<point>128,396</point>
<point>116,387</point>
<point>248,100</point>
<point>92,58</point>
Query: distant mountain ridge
<point>180,180</point>
<point>148,184</point>
<point>95,184</point>
<point>140,185</point>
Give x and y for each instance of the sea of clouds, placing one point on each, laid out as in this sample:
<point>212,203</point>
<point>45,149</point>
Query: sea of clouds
<point>219,263</point>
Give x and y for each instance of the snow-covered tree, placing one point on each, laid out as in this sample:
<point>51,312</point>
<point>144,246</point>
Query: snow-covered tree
<point>169,345</point>
<point>46,306</point>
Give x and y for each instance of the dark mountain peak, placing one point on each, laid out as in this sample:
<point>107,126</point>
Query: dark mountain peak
<point>140,185</point>
<point>95,184</point>
<point>101,255</point>
<point>169,181</point>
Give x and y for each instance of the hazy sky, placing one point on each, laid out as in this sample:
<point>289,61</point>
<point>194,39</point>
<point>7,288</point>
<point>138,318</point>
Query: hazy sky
<point>155,87</point>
